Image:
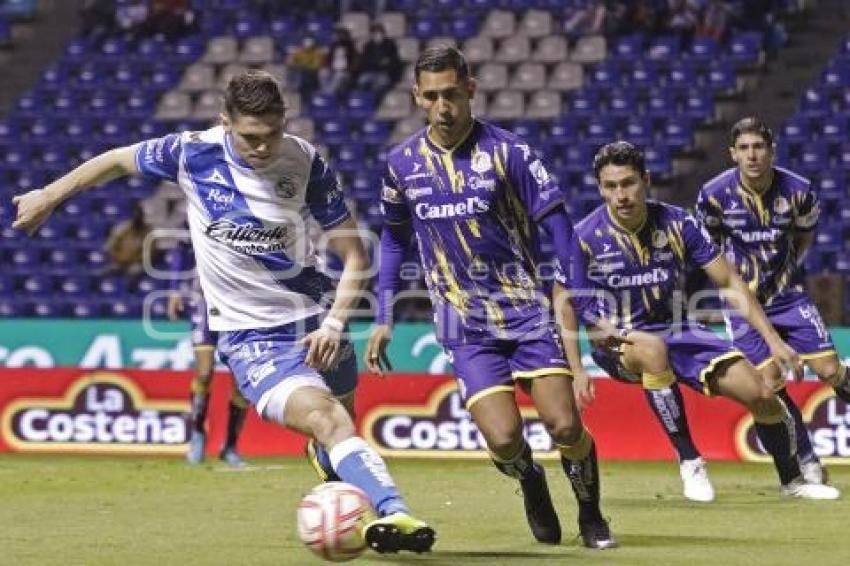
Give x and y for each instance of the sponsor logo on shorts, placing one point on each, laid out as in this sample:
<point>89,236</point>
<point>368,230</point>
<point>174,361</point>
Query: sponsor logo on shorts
<point>257,373</point>
<point>100,412</point>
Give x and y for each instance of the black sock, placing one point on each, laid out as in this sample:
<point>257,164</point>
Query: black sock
<point>778,440</point>
<point>842,388</point>
<point>200,404</point>
<point>584,479</point>
<point>522,467</point>
<point>805,451</point>
<point>669,407</point>
<point>235,420</point>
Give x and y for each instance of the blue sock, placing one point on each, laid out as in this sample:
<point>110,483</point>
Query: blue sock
<point>358,464</point>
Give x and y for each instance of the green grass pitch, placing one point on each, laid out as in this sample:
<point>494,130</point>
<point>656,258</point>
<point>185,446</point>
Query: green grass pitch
<point>92,511</point>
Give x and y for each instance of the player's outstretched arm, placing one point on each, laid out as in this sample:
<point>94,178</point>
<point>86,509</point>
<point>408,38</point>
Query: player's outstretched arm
<point>739,295</point>
<point>395,240</point>
<point>36,206</point>
<point>583,386</point>
<point>323,344</point>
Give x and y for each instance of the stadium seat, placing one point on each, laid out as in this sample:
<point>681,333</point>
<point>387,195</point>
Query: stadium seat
<point>426,27</point>
<point>599,130</point>
<point>302,127</point>
<point>499,24</point>
<point>628,47</point>
<point>814,104</point>
<point>395,24</point>
<point>605,75</point>
<point>658,161</point>
<point>174,106</point>
<point>664,48</point>
<point>589,49</point>
<point>745,49</point>
<point>506,105</point>
<point>360,105</point>
<point>622,103</point>
<point>535,24</point>
<point>679,134</point>
<point>334,131</point>
<point>513,50</point>
<point>566,76</point>
<point>396,105</point>
<point>551,49</point>
<point>492,77</point>
<point>198,78</point>
<point>221,50</point>
<point>463,26</point>
<point>478,50</point>
<point>528,76</point>
<point>638,130</point>
<point>544,105</point>
<point>643,75</point>
<point>408,49</point>
<point>257,50</point>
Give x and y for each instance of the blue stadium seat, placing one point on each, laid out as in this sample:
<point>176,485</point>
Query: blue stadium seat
<point>360,105</point>
<point>699,105</point>
<point>833,129</point>
<point>722,79</point>
<point>659,103</point>
<point>463,26</point>
<point>90,307</point>
<point>349,157</point>
<point>76,285</point>
<point>744,48</point>
<point>334,131</point>
<point>679,134</point>
<point>323,106</point>
<point>844,156</point>
<point>426,27</point>
<point>319,26</point>
<point>659,163</point>
<point>628,47</point>
<point>664,48</point>
<point>814,156</point>
<point>12,308</point>
<point>681,74</point>
<point>622,103</point>
<point>704,49</point>
<point>599,130</point>
<point>795,131</point>
<point>564,130</point>
<point>47,308</point>
<point>643,75</point>
<point>606,75</point>
<point>638,130</point>
<point>814,104</point>
<point>36,284</point>
<point>7,286</point>
<point>529,130</point>
<point>585,103</point>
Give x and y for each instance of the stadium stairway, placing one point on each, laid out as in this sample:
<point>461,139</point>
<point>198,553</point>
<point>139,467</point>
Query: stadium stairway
<point>37,44</point>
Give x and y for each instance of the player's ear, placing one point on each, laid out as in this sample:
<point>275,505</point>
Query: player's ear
<point>732,154</point>
<point>471,87</point>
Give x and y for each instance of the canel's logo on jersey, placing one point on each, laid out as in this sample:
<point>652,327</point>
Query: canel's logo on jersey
<point>468,207</point>
<point>247,238</point>
<point>757,236</point>
<point>99,412</point>
<point>654,277</point>
<point>477,183</point>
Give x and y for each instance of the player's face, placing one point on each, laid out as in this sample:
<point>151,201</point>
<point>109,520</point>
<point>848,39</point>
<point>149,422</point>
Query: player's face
<point>446,100</point>
<point>256,139</point>
<point>753,155</point>
<point>624,190</point>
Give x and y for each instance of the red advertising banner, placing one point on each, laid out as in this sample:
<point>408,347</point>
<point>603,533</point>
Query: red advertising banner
<point>137,411</point>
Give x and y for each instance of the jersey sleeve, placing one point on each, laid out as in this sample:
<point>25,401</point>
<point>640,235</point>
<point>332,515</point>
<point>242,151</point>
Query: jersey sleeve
<point>324,197</point>
<point>807,210</point>
<point>393,205</point>
<point>159,158</point>
<point>709,213</point>
<point>700,249</point>
<point>536,188</point>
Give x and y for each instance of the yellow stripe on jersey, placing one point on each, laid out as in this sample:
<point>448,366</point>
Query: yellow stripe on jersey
<point>462,240</point>
<point>474,227</point>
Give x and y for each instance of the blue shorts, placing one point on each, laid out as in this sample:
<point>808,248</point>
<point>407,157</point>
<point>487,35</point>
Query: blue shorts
<point>263,358</point>
<point>493,366</point>
<point>201,334</point>
<point>694,353</point>
<point>799,324</point>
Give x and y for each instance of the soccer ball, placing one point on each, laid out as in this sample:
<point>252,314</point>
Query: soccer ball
<point>331,519</point>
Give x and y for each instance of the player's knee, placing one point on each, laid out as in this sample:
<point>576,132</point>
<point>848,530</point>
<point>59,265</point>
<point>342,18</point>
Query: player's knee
<point>764,403</point>
<point>503,441</point>
<point>328,423</point>
<point>565,429</point>
<point>650,351</point>
<point>829,369</point>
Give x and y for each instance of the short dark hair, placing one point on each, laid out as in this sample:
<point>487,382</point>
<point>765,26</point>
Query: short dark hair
<point>442,58</point>
<point>750,125</point>
<point>619,153</point>
<point>253,93</point>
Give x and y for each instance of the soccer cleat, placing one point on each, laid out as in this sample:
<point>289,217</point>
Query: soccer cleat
<point>313,459</point>
<point>802,490</point>
<point>596,534</point>
<point>541,515</point>
<point>232,458</point>
<point>697,486</point>
<point>399,531</point>
<point>197,447</point>
<point>813,472</point>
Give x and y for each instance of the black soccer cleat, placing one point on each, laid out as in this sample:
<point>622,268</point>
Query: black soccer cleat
<point>399,531</point>
<point>539,511</point>
<point>597,535</point>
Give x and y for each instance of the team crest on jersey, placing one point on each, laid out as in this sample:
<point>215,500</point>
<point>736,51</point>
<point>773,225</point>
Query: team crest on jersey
<point>391,194</point>
<point>538,170</point>
<point>285,188</point>
<point>780,205</point>
<point>659,239</point>
<point>481,162</point>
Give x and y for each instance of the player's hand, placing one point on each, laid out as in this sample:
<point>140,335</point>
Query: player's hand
<point>787,359</point>
<point>606,335</point>
<point>377,361</point>
<point>33,209</point>
<point>175,306</point>
<point>322,348</point>
<point>583,389</point>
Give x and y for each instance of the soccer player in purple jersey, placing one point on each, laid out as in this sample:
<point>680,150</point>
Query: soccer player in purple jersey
<point>250,188</point>
<point>764,218</point>
<point>182,259</point>
<point>475,196</point>
<point>635,252</point>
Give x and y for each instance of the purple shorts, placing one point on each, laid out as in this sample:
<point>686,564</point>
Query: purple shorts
<point>799,324</point>
<point>493,366</point>
<point>694,353</point>
<point>201,333</point>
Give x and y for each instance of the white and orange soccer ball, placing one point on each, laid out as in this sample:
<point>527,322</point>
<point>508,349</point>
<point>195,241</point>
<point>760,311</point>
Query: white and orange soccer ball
<point>331,519</point>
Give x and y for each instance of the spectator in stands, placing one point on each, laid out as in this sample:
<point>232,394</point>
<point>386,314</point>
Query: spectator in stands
<point>131,17</point>
<point>338,73</point>
<point>588,20</point>
<point>171,18</point>
<point>125,244</point>
<point>714,20</point>
<point>304,63</point>
<point>642,16</point>
<point>380,66</point>
<point>98,18</point>
<point>681,20</point>
<point>760,15</point>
